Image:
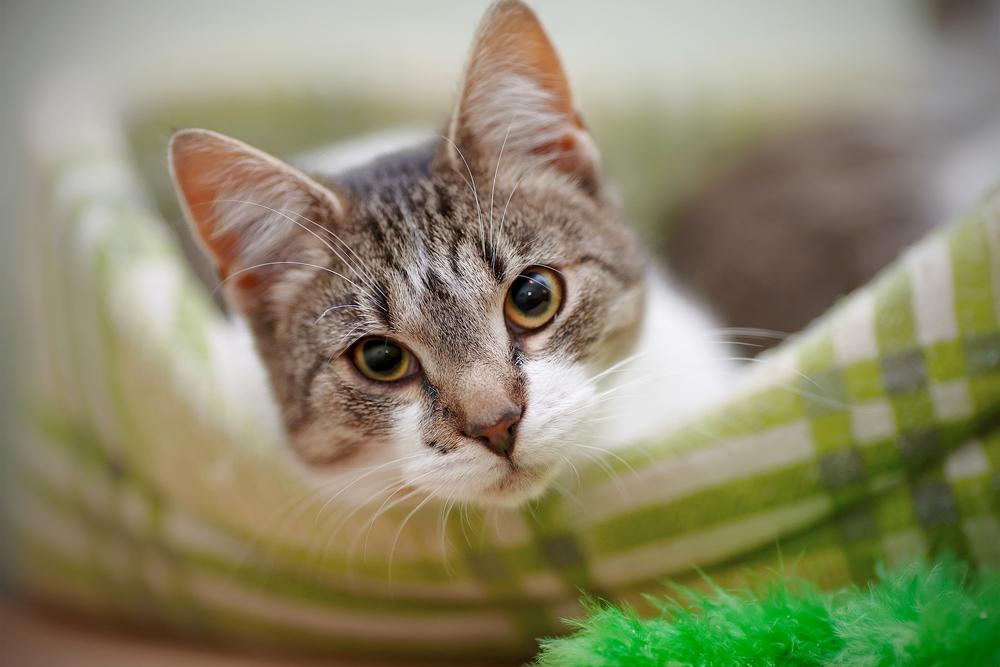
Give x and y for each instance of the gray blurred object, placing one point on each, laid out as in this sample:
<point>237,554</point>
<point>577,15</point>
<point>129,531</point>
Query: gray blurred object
<point>812,213</point>
<point>804,218</point>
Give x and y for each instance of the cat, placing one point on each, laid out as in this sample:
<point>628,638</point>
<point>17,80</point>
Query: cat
<point>464,317</point>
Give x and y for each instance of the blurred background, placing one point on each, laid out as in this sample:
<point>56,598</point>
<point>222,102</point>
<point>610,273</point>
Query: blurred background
<point>818,137</point>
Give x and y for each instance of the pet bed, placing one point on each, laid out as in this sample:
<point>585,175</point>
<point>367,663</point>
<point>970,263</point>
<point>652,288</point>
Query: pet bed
<point>148,485</point>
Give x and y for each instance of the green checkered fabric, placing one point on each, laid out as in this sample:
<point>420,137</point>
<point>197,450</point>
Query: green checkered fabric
<point>148,488</point>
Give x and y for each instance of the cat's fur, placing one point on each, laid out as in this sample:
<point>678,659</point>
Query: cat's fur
<point>421,246</point>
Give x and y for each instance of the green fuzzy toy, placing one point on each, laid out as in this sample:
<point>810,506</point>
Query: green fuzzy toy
<point>918,615</point>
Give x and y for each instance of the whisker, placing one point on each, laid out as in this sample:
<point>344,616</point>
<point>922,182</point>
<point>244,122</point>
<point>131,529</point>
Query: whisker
<point>263,264</point>
<point>472,186</point>
<point>353,335</point>
<point>612,474</point>
<point>679,372</point>
<point>354,507</point>
<point>576,471</point>
<point>333,308</point>
<point>398,483</point>
<point>399,532</point>
<point>360,261</point>
<point>445,541</point>
<point>753,332</point>
<point>615,367</point>
<point>493,188</point>
<point>568,494</point>
<point>520,179</point>
<point>370,523</point>
<point>754,360</point>
<point>385,507</point>
<point>611,454</point>
<point>288,218</point>
<point>370,471</point>
<point>503,216</point>
<point>463,516</point>
<point>292,508</point>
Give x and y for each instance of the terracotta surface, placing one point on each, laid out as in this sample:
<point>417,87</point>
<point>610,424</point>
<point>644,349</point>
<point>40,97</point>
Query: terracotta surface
<point>29,638</point>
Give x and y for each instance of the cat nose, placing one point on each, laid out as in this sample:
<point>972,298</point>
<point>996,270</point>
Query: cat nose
<point>498,436</point>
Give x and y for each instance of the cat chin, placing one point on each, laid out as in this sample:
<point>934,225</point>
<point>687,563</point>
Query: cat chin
<point>481,478</point>
<point>510,489</point>
<point>519,486</point>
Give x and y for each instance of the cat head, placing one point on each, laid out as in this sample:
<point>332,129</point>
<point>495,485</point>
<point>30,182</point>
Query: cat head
<point>440,315</point>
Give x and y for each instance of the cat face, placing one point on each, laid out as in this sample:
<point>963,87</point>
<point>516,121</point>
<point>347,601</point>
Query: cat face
<point>435,320</point>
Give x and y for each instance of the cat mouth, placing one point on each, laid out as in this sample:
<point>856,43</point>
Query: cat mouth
<point>519,483</point>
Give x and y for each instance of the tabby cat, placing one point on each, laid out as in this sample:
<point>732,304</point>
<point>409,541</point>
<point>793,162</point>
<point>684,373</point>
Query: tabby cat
<point>462,317</point>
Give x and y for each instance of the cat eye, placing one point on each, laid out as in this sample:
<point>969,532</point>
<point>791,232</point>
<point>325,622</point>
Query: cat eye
<point>533,299</point>
<point>382,360</point>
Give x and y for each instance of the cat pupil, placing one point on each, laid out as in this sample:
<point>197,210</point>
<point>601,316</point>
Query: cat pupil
<point>531,293</point>
<point>382,357</point>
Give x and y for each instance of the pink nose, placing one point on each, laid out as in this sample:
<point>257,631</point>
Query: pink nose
<point>498,437</point>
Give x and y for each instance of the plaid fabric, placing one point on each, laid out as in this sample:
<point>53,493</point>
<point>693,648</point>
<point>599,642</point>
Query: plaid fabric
<point>148,487</point>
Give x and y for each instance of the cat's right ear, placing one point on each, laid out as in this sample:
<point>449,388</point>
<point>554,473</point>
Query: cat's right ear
<point>254,215</point>
<point>514,107</point>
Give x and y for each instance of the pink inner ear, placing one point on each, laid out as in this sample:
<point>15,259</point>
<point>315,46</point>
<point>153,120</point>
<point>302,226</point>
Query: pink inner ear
<point>197,163</point>
<point>245,207</point>
<point>246,281</point>
<point>243,203</point>
<point>567,146</point>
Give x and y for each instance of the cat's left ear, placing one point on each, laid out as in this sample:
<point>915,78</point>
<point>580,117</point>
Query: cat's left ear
<point>515,108</point>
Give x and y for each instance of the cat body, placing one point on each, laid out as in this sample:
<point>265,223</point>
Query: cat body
<point>465,316</point>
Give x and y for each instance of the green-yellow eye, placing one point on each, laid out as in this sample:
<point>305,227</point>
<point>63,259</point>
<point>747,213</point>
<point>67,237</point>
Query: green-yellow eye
<point>383,360</point>
<point>533,298</point>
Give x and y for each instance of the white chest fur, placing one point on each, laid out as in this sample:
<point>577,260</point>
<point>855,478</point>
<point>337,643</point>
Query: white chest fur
<point>679,367</point>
